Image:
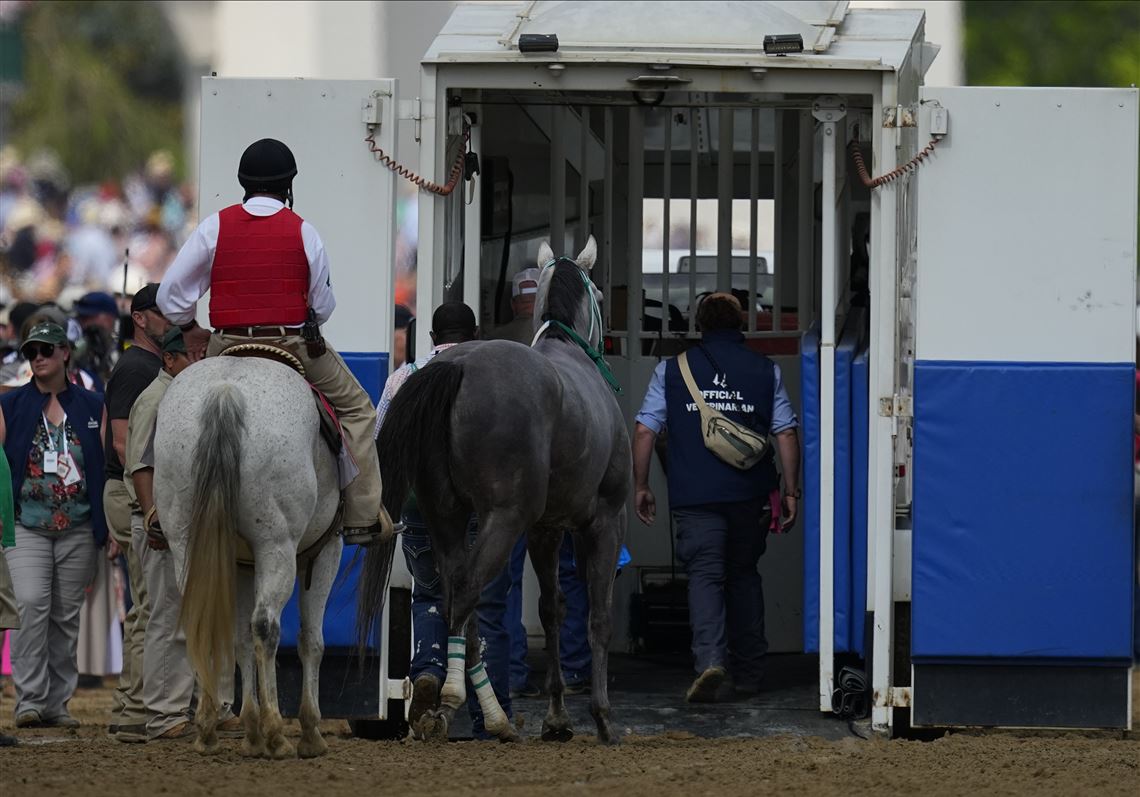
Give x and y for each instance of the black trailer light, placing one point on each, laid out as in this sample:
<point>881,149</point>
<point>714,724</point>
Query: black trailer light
<point>779,44</point>
<point>538,43</point>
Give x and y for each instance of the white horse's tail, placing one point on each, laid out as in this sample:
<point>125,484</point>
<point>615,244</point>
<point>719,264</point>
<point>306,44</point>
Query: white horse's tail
<point>210,591</point>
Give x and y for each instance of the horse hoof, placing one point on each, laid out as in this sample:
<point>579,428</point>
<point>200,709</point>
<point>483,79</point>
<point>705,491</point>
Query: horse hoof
<point>252,749</point>
<point>432,727</point>
<point>312,748</point>
<point>557,733</point>
<point>281,749</point>
<point>207,747</point>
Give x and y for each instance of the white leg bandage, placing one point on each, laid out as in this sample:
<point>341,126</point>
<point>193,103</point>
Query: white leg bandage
<point>454,691</point>
<point>494,719</point>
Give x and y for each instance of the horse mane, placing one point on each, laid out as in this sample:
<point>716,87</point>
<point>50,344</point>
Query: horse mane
<point>564,297</point>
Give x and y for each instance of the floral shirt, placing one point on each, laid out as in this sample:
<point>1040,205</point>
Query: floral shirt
<point>46,503</point>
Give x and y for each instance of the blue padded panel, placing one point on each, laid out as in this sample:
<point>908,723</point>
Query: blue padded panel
<point>1023,539</point>
<point>340,612</point>
<point>809,399</point>
<point>844,354</point>
<point>844,556</point>
<point>860,405</point>
<point>370,369</point>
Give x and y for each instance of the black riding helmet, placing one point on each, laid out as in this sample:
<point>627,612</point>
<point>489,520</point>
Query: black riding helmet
<point>267,167</point>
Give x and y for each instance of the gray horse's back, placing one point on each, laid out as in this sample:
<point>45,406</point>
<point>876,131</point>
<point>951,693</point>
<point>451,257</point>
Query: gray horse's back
<point>286,471</point>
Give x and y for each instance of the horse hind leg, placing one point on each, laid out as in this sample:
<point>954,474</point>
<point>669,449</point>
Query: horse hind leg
<point>312,647</point>
<point>253,745</point>
<point>543,547</point>
<point>274,577</point>
<point>600,547</point>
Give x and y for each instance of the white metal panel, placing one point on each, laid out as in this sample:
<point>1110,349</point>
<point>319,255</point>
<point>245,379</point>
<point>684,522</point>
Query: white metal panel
<point>340,189</point>
<point>1027,226</point>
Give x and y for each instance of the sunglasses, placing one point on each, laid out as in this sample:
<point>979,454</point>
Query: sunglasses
<point>33,350</point>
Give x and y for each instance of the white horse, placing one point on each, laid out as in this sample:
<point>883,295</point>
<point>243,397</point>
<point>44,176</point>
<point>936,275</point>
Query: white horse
<point>238,454</point>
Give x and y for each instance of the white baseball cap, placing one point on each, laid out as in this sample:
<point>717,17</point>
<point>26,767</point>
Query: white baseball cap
<point>525,282</point>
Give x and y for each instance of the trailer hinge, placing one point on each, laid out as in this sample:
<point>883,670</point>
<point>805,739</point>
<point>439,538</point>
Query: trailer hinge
<point>900,116</point>
<point>896,407</point>
<point>411,110</point>
<point>829,108</point>
<point>900,697</point>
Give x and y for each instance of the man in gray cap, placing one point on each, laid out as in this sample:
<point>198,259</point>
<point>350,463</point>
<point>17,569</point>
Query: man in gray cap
<point>135,370</point>
<point>524,290</point>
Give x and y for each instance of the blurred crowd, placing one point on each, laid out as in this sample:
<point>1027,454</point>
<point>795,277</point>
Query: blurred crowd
<point>59,241</point>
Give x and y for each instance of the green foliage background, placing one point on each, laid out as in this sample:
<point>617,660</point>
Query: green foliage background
<point>1059,43</point>
<point>102,86</point>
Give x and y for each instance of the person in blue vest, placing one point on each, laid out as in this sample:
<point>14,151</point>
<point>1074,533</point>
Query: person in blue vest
<point>722,514</point>
<point>51,431</point>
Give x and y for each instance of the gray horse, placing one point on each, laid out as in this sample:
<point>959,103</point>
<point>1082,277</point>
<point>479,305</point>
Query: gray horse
<point>532,441</point>
<point>238,454</point>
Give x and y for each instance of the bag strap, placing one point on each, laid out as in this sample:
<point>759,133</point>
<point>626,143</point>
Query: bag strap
<point>686,374</point>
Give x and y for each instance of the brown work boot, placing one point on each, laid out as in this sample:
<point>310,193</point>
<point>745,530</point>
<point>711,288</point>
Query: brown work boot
<point>381,531</point>
<point>230,728</point>
<point>705,687</point>
<point>425,698</point>
<point>183,730</point>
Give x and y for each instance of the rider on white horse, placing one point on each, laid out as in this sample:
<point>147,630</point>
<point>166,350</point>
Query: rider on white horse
<point>268,277</point>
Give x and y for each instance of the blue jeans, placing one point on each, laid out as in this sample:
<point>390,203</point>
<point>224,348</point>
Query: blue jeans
<point>574,639</point>
<point>430,626</point>
<point>720,546</point>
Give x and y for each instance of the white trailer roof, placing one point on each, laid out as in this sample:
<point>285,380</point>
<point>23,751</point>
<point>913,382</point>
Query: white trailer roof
<point>681,33</point>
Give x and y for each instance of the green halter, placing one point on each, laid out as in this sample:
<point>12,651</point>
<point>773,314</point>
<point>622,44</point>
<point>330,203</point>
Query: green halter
<point>595,313</point>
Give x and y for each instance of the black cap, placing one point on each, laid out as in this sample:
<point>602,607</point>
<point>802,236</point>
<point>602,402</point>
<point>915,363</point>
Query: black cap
<point>145,298</point>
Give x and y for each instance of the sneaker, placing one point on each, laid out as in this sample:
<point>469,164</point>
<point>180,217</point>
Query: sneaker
<point>62,721</point>
<point>705,687</point>
<point>132,734</point>
<point>425,697</point>
<point>29,719</point>
<point>8,741</point>
<point>183,730</point>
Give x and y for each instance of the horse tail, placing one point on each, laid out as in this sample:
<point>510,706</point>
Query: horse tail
<point>210,592</point>
<point>414,446</point>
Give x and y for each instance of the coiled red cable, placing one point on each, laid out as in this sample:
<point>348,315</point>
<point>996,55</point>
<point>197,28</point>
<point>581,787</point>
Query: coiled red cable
<point>408,174</point>
<point>894,174</point>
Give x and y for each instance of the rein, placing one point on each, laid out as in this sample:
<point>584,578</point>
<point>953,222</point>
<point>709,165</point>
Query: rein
<point>584,344</point>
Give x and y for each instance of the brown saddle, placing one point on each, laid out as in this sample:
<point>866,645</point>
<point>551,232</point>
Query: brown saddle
<point>330,426</point>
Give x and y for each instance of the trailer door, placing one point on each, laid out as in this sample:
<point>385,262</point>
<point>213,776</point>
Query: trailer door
<point>350,198</point>
<point>1023,546</point>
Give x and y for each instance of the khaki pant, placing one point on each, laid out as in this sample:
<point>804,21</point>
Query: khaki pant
<point>168,681</point>
<point>127,706</point>
<point>331,376</point>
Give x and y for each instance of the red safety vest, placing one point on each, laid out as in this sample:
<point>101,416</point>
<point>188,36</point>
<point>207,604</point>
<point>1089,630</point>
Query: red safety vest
<point>260,275</point>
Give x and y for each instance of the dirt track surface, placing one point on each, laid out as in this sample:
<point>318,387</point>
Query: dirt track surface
<point>88,762</point>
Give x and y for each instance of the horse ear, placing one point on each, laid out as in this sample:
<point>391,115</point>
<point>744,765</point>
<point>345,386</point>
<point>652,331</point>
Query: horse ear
<point>545,254</point>
<point>588,256</point>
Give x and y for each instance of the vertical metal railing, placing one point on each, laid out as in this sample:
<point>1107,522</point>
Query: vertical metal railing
<point>636,212</point>
<point>778,188</point>
<point>608,213</point>
<point>753,215</point>
<point>557,180</point>
<point>667,195</point>
<point>584,182</point>
<point>694,196</point>
<point>724,195</point>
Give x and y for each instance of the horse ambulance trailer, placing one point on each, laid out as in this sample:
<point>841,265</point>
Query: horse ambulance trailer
<point>949,292</point>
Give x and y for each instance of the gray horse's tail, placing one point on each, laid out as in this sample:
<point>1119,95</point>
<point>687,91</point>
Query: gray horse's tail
<point>414,447</point>
<point>210,591</point>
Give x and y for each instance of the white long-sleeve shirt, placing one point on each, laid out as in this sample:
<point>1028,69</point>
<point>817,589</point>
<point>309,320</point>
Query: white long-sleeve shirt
<point>188,277</point>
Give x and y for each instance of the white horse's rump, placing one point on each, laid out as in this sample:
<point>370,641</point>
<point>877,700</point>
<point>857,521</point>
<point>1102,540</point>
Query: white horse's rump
<point>238,453</point>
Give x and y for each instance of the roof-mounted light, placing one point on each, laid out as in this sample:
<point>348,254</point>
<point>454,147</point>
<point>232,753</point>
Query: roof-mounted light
<point>538,43</point>
<point>783,43</point>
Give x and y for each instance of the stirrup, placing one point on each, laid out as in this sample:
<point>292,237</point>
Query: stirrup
<point>371,535</point>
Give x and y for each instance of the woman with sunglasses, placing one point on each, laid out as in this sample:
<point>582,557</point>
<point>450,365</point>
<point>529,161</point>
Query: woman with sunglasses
<point>51,432</point>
